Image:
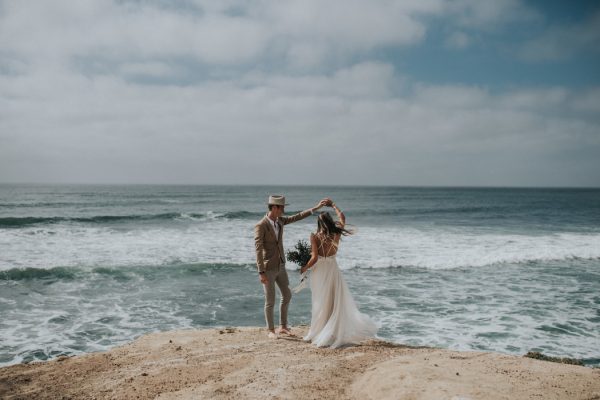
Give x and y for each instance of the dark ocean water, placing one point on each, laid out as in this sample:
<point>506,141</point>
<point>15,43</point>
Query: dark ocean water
<point>85,268</point>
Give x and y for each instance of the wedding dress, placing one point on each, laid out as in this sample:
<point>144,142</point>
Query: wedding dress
<point>335,321</point>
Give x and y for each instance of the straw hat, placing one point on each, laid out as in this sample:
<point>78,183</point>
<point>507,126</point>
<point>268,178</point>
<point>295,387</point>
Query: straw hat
<point>277,200</point>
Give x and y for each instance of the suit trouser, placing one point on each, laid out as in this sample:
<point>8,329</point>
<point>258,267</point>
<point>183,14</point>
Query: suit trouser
<point>280,277</point>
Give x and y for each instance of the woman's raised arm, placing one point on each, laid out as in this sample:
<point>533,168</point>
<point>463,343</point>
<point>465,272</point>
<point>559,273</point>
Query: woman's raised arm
<point>339,213</point>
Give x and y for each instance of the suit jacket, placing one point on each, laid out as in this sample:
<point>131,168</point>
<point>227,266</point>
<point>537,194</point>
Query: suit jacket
<point>269,248</point>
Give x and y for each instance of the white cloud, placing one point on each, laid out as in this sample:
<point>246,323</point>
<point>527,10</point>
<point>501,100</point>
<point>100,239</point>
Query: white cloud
<point>458,40</point>
<point>303,32</point>
<point>362,81</point>
<point>588,101</point>
<point>300,34</point>
<point>308,33</point>
<point>451,96</point>
<point>356,25</point>
<point>294,77</point>
<point>489,14</point>
<point>149,69</point>
<point>350,123</point>
<point>562,42</point>
<point>57,31</point>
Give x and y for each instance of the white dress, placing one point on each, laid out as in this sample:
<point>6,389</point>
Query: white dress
<point>335,321</point>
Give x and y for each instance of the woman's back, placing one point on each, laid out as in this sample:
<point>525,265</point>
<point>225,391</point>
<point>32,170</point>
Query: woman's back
<point>327,245</point>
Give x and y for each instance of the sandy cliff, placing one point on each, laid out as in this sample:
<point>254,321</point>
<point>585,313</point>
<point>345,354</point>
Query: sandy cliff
<point>242,363</point>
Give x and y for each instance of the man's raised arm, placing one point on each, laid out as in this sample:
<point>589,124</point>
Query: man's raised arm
<point>303,214</point>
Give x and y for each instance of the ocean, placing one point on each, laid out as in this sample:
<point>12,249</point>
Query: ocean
<point>84,268</point>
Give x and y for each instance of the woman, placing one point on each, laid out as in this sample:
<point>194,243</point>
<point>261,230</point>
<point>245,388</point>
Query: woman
<point>335,320</point>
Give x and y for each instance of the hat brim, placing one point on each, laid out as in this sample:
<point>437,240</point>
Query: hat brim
<point>275,204</point>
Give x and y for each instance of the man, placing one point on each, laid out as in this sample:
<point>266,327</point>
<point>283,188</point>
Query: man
<point>270,258</point>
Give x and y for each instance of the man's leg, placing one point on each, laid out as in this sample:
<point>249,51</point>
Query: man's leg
<point>269,289</point>
<point>286,295</point>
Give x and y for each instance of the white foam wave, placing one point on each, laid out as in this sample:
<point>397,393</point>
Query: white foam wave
<point>73,325</point>
<point>231,241</point>
<point>72,245</point>
<point>188,216</point>
<point>451,248</point>
<point>511,309</point>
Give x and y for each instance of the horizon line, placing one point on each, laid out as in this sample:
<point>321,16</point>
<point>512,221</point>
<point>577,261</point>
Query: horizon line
<point>300,185</point>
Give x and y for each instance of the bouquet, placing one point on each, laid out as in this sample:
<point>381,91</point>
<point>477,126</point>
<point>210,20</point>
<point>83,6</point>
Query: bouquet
<point>300,256</point>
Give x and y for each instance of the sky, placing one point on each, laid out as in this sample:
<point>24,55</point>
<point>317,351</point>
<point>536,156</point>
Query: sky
<point>338,92</point>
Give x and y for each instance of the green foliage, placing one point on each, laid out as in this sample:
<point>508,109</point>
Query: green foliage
<point>301,254</point>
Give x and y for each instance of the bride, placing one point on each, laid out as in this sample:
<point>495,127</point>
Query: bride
<point>336,320</point>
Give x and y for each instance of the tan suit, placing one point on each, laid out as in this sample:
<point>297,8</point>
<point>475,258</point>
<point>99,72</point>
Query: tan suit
<point>270,258</point>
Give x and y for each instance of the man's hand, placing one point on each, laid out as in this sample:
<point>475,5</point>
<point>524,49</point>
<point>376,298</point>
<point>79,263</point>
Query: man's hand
<point>263,278</point>
<point>326,201</point>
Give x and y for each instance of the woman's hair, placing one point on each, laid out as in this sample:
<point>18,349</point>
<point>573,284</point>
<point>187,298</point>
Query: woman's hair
<point>328,226</point>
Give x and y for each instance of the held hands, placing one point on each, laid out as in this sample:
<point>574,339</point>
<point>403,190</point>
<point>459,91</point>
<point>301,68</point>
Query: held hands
<point>303,269</point>
<point>326,202</point>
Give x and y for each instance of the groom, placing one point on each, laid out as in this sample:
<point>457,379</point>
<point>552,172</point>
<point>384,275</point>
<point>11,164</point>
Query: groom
<point>270,258</point>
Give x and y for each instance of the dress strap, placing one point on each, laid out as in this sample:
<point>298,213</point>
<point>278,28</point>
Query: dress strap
<point>320,244</point>
<point>331,246</point>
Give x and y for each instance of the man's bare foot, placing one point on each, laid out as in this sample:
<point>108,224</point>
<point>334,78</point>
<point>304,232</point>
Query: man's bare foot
<point>285,331</point>
<point>272,335</point>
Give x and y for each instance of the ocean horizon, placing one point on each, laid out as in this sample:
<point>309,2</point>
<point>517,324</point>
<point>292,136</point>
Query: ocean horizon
<point>86,267</point>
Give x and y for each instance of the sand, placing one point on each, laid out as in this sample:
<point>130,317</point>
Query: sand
<point>242,363</point>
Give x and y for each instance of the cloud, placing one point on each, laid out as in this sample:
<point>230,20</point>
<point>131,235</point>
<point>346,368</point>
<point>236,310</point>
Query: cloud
<point>59,31</point>
<point>362,124</point>
<point>339,28</point>
<point>302,33</point>
<point>562,42</point>
<point>219,92</point>
<point>149,69</point>
<point>489,14</point>
<point>364,81</point>
<point>588,101</point>
<point>292,34</point>
<point>458,40</point>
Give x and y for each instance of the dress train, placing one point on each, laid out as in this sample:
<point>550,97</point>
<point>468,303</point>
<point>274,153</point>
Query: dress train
<point>336,320</point>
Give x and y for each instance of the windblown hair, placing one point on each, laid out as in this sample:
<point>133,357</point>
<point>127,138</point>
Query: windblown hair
<point>328,227</point>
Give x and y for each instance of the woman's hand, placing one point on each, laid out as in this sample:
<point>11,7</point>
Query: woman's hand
<point>303,269</point>
<point>319,205</point>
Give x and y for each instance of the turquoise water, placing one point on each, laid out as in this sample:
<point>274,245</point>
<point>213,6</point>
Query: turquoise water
<point>85,268</point>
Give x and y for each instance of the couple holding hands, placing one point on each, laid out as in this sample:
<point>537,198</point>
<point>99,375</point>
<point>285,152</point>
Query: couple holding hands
<point>335,320</point>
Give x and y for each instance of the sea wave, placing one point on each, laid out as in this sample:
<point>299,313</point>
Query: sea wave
<point>19,222</point>
<point>24,274</point>
<point>431,211</point>
<point>118,273</point>
<point>153,272</point>
<point>458,215</point>
<point>232,242</point>
<point>96,308</point>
